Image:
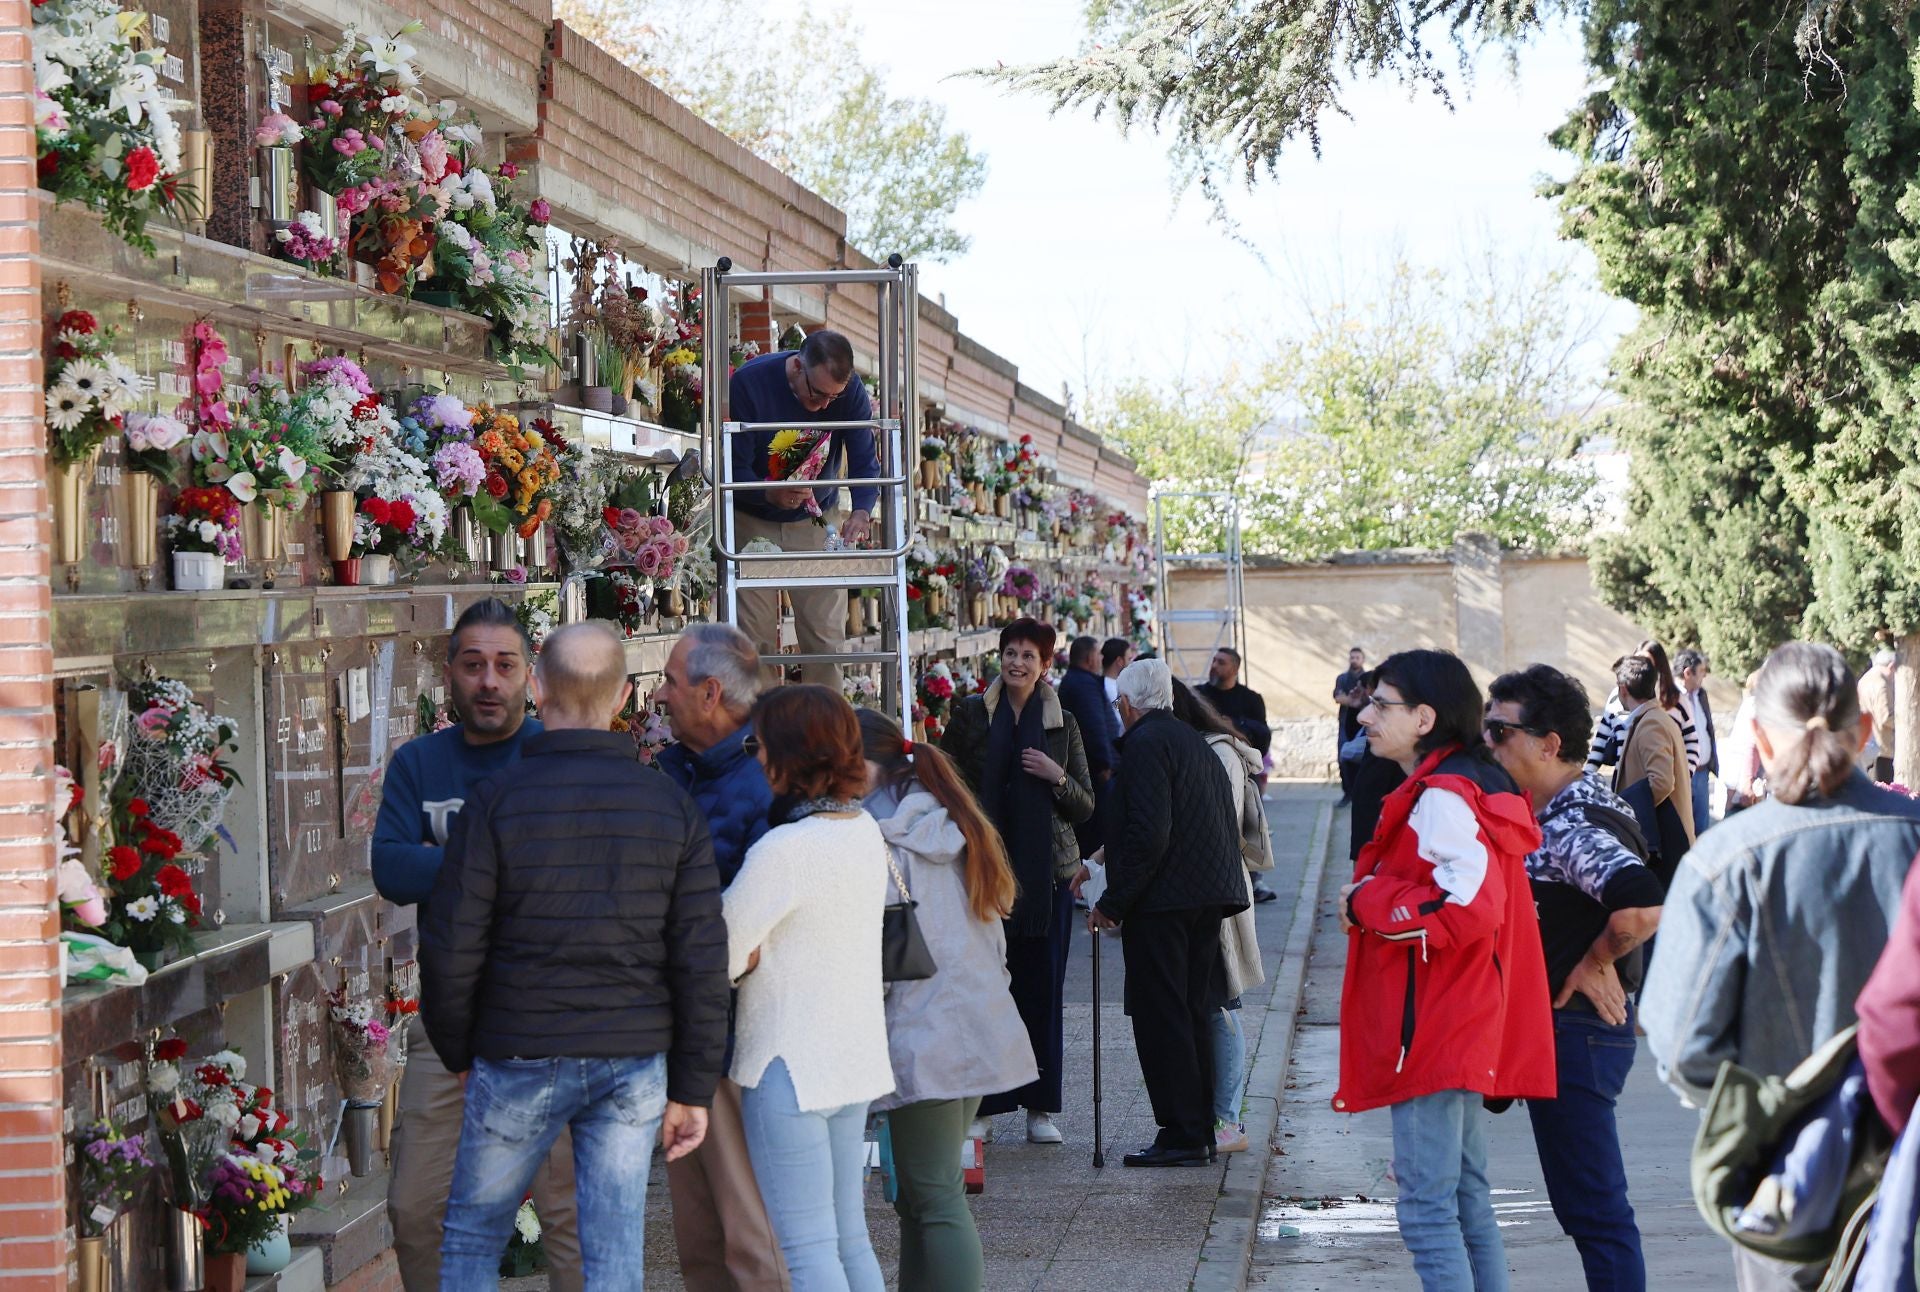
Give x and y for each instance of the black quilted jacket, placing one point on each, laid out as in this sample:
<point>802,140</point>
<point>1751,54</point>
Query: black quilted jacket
<point>577,915</point>
<point>1173,840</point>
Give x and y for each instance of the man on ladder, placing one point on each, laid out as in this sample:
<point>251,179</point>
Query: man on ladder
<point>817,383</point>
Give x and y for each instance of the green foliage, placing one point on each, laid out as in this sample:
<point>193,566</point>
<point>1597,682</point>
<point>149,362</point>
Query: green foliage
<point>1232,82</point>
<point>798,95</point>
<point>1751,189</point>
<point>1433,410</point>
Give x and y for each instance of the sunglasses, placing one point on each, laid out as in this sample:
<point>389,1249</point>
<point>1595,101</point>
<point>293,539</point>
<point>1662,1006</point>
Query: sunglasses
<point>750,746</point>
<point>1498,729</point>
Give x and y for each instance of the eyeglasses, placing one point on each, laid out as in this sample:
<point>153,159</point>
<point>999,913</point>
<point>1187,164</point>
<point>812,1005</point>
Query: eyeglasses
<point>750,746</point>
<point>1497,729</point>
<point>1378,703</point>
<point>814,392</point>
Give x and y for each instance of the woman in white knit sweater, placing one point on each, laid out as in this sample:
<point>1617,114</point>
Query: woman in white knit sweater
<point>803,938</point>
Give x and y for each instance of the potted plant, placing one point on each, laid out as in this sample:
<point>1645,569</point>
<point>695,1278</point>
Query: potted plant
<point>203,534</point>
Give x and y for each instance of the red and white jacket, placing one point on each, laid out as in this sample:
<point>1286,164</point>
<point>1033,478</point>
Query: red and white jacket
<point>1446,985</point>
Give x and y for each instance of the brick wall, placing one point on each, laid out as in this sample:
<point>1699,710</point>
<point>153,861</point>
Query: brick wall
<point>505,37</point>
<point>32,1174</point>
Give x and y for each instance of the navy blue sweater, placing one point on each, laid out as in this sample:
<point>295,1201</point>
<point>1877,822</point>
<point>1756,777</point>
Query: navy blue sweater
<point>426,784</point>
<point>730,790</point>
<point>758,392</point>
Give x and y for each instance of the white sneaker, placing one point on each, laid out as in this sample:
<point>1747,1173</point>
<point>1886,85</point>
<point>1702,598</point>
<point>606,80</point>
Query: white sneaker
<point>1041,1130</point>
<point>981,1129</point>
<point>1229,1137</point>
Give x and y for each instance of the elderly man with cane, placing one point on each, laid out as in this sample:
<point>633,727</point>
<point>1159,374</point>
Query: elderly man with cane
<point>1173,870</point>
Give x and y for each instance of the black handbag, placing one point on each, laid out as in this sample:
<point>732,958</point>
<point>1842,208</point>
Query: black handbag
<point>904,955</point>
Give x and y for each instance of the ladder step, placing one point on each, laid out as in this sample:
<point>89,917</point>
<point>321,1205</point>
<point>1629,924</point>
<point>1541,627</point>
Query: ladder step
<point>818,581</point>
<point>1197,616</point>
<point>1194,556</point>
<point>840,657</point>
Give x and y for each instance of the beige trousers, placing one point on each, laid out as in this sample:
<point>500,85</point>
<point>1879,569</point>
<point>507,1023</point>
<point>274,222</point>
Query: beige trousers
<point>819,614</point>
<point>720,1224</point>
<point>426,1136</point>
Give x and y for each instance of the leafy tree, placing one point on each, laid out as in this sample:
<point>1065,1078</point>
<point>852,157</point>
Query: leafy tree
<point>1434,409</point>
<point>798,96</point>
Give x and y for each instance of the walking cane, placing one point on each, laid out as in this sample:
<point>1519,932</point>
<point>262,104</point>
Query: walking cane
<point>1099,1155</point>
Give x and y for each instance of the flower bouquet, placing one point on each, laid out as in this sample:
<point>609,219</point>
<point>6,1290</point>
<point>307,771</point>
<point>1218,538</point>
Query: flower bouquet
<point>110,1170</point>
<point>800,456</point>
<point>359,97</point>
<point>203,533</point>
<point>174,765</point>
<point>251,1193</point>
<point>935,695</point>
<point>152,909</point>
<point>522,468</point>
<point>1020,583</point>
<point>150,441</point>
<point>195,1111</point>
<point>487,257</point>
<point>652,731</point>
<point>104,129</point>
<point>364,1062</point>
<point>305,241</point>
<point>89,388</point>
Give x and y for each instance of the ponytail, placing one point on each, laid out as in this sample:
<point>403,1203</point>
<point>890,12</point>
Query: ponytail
<point>1805,697</point>
<point>988,877</point>
<point>1666,690</point>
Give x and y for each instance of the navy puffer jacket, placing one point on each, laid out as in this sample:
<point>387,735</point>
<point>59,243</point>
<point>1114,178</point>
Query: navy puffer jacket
<point>728,786</point>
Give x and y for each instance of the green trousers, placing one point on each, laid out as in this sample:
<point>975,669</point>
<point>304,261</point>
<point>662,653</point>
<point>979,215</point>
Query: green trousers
<point>939,1247</point>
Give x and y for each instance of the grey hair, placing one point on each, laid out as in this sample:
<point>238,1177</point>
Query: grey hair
<point>727,655</point>
<point>1806,697</point>
<point>1147,684</point>
<point>1689,659</point>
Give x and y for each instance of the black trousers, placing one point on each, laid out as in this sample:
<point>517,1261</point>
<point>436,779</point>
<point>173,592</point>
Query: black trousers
<point>1175,981</point>
<point>1038,969</point>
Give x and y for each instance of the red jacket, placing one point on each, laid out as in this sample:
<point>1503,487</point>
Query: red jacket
<point>1889,1010</point>
<point>1446,985</point>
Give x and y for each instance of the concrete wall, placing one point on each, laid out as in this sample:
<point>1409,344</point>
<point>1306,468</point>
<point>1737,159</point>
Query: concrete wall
<point>1497,611</point>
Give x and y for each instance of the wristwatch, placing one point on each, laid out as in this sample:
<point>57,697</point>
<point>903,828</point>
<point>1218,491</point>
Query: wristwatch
<point>1060,784</point>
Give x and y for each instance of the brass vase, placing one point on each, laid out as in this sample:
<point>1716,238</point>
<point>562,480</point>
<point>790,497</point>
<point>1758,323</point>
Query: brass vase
<point>143,518</point>
<point>336,521</point>
<point>263,529</point>
<point>389,1113</point>
<point>68,485</point>
<point>93,1264</point>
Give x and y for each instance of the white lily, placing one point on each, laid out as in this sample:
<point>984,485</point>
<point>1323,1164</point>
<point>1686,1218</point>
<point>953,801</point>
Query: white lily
<point>137,84</point>
<point>393,57</point>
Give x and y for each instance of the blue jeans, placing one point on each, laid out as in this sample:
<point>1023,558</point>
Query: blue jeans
<point>1445,1210</point>
<point>515,1110</point>
<point>1702,782</point>
<point>1579,1145</point>
<point>812,1171</point>
<point>1229,1065</point>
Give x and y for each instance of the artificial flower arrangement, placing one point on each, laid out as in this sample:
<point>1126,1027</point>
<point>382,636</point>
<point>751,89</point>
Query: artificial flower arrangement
<point>207,359</point>
<point>81,901</point>
<point>104,130</point>
<point>677,353</point>
<point>652,731</point>
<point>522,469</point>
<point>206,519</point>
<point>935,695</point>
<point>150,441</point>
<point>364,1062</point>
<point>800,456</point>
<point>305,241</point>
<point>152,909</point>
<point>861,690</point>
<point>488,256</point>
<point>402,510</point>
<point>89,389</point>
<point>1020,583</point>
<point>176,761</point>
<point>109,1169</point>
<point>274,453</point>
<point>1140,615</point>
<point>538,613</point>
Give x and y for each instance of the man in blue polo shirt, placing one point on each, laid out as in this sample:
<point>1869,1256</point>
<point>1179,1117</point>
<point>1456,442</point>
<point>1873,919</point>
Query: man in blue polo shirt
<point>816,383</point>
<point>488,662</point>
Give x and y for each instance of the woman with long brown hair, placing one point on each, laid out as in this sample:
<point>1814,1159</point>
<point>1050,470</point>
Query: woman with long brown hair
<point>956,1036</point>
<point>1610,732</point>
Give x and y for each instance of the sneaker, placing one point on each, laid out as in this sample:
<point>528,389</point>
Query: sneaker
<point>981,1129</point>
<point>1229,1137</point>
<point>1041,1130</point>
<point>1261,893</point>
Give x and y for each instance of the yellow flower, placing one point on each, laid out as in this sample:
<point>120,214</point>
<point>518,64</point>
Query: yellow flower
<point>677,357</point>
<point>784,441</point>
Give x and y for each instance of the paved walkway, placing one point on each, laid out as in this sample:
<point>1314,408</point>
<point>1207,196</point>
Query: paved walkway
<point>1328,1221</point>
<point>1048,1220</point>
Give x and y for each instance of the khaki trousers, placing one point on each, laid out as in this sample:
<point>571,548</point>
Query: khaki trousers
<point>720,1224</point>
<point>426,1136</point>
<point>819,614</point>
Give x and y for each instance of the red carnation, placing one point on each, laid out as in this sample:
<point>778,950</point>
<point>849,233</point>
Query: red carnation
<point>173,881</point>
<point>192,902</point>
<point>137,807</point>
<point>161,843</point>
<point>611,515</point>
<point>49,163</point>
<point>496,484</point>
<point>400,515</point>
<point>913,593</point>
<point>125,862</point>
<point>78,321</point>
<point>170,1050</point>
<point>378,510</point>
<point>142,169</point>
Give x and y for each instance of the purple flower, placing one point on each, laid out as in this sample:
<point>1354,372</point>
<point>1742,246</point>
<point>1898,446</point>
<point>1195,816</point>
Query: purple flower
<point>539,212</point>
<point>518,574</point>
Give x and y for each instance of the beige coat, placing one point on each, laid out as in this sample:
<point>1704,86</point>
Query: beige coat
<point>1239,941</point>
<point>1657,752</point>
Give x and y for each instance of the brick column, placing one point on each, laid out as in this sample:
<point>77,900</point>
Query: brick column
<point>756,324</point>
<point>32,1172</point>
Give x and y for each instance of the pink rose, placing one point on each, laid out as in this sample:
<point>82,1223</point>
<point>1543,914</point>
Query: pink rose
<point>680,545</point>
<point>648,560</point>
<point>630,520</point>
<point>539,212</point>
<point>92,912</point>
<point>661,525</point>
<point>518,574</point>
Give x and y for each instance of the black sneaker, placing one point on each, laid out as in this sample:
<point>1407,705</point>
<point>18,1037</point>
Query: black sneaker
<point>1158,1156</point>
<point>1261,893</point>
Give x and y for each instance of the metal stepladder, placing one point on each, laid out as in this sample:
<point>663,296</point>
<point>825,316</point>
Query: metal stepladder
<point>1228,622</point>
<point>894,401</point>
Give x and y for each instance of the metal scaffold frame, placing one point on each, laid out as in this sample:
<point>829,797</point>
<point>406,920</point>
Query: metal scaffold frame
<point>896,404</point>
<point>1229,621</point>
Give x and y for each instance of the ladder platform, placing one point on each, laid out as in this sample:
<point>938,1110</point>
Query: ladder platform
<point>815,581</point>
<point>1195,556</point>
<point>839,657</point>
<point>1197,616</point>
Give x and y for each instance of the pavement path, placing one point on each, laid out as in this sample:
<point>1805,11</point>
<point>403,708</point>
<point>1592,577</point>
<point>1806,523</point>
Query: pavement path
<point>1328,1220</point>
<point>1048,1220</point>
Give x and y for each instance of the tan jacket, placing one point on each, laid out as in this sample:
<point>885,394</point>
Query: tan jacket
<point>1657,752</point>
<point>1876,698</point>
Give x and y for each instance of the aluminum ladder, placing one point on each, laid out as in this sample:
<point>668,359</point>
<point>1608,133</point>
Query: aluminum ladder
<point>895,403</point>
<point>1227,622</point>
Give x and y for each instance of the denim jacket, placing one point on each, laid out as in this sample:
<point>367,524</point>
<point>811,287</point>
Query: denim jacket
<point>1771,928</point>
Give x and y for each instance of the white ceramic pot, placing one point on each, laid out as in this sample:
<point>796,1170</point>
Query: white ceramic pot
<point>199,571</point>
<point>376,570</point>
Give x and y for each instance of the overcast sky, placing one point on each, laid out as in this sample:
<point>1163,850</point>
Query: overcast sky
<point>1081,267</point>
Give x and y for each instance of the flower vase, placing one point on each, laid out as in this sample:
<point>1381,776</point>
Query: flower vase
<point>336,523</point>
<point>271,1254</point>
<point>466,535</point>
<point>262,526</point>
<point>199,571</point>
<point>93,1264</point>
<point>673,604</point>
<point>346,573</point>
<point>186,1259</point>
<point>856,618</point>
<point>361,1123</point>
<point>1002,506</point>
<point>68,485</point>
<point>389,1113</point>
<point>919,731</point>
<point>573,601</point>
<point>376,570</point>
<point>929,475</point>
<point>596,399</point>
<point>226,1271</point>
<point>506,551</point>
<point>143,517</point>
<point>536,549</point>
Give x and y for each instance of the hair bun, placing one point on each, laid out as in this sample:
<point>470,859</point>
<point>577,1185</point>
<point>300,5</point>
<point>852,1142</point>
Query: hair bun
<point>1818,722</point>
